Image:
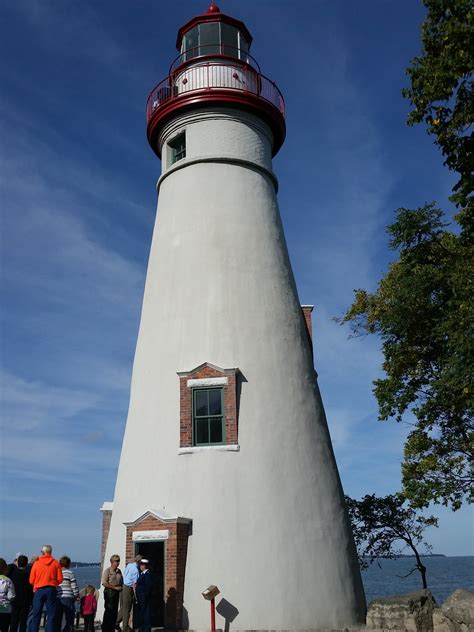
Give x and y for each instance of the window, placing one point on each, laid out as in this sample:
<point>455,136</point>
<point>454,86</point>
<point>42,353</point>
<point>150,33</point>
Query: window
<point>208,417</point>
<point>230,42</point>
<point>214,38</point>
<point>177,148</point>
<point>209,38</point>
<point>243,48</point>
<point>208,409</point>
<point>190,43</point>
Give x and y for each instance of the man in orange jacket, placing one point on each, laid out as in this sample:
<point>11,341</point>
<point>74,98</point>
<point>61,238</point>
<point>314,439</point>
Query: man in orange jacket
<point>45,576</point>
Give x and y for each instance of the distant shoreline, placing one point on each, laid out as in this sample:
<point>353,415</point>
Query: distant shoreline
<point>397,557</point>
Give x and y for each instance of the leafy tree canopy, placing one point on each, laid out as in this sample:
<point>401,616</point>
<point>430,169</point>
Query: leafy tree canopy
<point>423,311</point>
<point>382,525</point>
<point>441,90</point>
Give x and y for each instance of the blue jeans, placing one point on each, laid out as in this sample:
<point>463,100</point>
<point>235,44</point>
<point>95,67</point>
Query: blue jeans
<point>65,606</point>
<point>44,596</point>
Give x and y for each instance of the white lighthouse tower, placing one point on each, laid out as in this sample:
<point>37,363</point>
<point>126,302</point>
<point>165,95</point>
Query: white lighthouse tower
<point>227,474</point>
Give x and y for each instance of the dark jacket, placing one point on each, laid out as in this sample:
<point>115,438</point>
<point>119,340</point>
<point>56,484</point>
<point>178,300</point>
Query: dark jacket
<point>143,588</point>
<point>23,589</point>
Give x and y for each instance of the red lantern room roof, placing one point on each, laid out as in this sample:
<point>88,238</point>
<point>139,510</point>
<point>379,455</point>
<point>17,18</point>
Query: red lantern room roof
<point>213,14</point>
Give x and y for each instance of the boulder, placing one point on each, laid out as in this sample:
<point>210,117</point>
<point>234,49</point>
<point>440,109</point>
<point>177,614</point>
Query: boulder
<point>412,612</point>
<point>440,622</point>
<point>458,610</point>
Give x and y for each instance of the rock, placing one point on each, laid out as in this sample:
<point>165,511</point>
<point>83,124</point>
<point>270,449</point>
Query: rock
<point>458,609</point>
<point>412,612</point>
<point>440,622</point>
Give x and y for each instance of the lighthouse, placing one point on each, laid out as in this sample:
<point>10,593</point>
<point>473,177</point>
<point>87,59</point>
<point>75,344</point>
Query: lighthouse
<point>227,475</point>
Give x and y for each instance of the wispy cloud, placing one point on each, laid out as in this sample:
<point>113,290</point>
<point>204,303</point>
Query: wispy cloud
<point>72,295</point>
<point>33,405</point>
<point>53,454</point>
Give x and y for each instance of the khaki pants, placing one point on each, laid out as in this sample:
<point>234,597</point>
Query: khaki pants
<point>126,609</point>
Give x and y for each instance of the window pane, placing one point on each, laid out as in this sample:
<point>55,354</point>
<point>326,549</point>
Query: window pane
<point>190,42</point>
<point>179,151</point>
<point>209,38</point>
<point>244,48</point>
<point>200,403</point>
<point>177,148</point>
<point>201,431</point>
<point>215,407</point>
<point>229,40</point>
<point>216,430</point>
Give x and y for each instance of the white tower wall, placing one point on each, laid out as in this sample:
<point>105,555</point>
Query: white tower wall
<point>269,524</point>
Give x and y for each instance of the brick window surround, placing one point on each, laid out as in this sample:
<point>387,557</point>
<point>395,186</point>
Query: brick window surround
<point>206,376</point>
<point>175,531</point>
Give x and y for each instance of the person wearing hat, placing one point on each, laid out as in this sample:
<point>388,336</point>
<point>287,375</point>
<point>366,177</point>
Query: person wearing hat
<point>112,581</point>
<point>14,565</point>
<point>143,590</point>
<point>130,577</point>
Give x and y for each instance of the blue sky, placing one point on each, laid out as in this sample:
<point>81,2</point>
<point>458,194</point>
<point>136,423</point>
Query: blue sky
<point>78,203</point>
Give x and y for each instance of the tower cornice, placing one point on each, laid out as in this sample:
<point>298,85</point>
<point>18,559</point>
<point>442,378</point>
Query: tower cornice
<point>230,160</point>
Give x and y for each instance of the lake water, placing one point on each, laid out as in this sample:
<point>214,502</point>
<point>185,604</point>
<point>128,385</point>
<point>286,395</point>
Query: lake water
<point>444,574</point>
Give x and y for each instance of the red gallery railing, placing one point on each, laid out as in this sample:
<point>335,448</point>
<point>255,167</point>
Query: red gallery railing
<point>206,77</point>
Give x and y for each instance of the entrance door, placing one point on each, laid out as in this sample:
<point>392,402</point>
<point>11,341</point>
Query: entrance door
<point>155,553</point>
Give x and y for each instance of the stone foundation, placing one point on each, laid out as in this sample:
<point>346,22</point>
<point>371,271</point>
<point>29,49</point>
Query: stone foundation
<point>418,612</point>
<point>412,612</point>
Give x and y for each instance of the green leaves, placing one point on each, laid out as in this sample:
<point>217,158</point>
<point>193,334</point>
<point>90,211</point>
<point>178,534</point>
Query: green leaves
<point>441,90</point>
<point>413,228</point>
<point>423,311</point>
<point>423,308</point>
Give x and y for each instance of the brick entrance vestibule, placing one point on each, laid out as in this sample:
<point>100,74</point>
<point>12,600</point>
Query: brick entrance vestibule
<point>164,538</point>
<point>173,531</point>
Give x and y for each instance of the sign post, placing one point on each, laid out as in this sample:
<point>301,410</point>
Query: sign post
<point>210,594</point>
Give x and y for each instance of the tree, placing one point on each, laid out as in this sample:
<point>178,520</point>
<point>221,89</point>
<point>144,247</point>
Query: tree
<point>441,91</point>
<point>379,523</point>
<point>423,311</point>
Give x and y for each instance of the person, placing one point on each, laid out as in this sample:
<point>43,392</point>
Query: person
<point>45,577</point>
<point>130,576</point>
<point>89,608</point>
<point>143,591</point>
<point>13,565</point>
<point>20,576</point>
<point>33,559</point>
<point>112,582</point>
<point>7,594</point>
<point>67,595</point>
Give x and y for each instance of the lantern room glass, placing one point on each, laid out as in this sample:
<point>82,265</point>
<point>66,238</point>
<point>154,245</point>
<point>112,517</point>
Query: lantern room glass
<point>214,38</point>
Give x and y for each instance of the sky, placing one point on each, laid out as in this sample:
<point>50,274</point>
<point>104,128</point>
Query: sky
<point>78,203</point>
